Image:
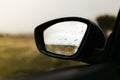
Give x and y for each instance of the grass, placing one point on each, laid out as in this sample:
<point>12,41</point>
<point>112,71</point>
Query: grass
<point>20,57</point>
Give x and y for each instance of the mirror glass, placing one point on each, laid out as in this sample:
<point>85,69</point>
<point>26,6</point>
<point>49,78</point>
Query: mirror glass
<point>64,38</point>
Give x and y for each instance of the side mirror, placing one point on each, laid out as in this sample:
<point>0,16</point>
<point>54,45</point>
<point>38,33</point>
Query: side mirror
<point>70,38</point>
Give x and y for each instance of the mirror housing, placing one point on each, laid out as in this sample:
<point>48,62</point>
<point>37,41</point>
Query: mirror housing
<point>90,47</point>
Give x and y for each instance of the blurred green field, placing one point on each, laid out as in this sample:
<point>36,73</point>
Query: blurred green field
<point>20,57</point>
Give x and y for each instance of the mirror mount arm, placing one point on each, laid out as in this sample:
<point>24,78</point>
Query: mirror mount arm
<point>97,57</point>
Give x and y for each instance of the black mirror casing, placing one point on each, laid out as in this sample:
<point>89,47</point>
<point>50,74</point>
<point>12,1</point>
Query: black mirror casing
<point>93,40</point>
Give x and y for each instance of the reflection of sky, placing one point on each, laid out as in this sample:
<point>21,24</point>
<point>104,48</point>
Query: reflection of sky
<point>65,33</point>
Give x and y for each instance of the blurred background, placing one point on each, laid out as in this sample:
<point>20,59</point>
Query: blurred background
<point>19,56</point>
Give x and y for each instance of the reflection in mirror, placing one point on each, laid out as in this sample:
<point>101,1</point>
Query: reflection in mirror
<point>64,38</point>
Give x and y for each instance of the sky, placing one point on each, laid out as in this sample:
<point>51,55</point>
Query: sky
<point>22,16</point>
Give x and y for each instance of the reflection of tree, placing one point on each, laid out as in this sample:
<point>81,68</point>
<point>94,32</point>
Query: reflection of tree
<point>106,22</point>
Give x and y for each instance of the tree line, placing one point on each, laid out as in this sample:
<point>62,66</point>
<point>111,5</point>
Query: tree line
<point>106,22</point>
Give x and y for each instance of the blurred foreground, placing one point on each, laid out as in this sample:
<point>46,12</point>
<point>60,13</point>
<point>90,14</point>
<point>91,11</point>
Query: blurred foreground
<point>19,57</point>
